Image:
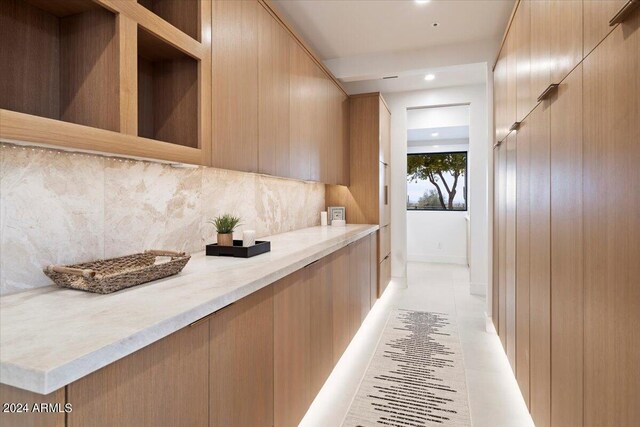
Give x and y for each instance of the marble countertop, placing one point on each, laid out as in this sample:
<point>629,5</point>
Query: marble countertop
<point>50,337</point>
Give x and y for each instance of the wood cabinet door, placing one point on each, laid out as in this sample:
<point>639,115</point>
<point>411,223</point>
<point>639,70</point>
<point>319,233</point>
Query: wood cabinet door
<point>384,194</point>
<point>510,248</point>
<point>540,46</point>
<point>502,242</point>
<point>384,274</point>
<point>235,85</point>
<point>523,162</point>
<point>596,21</point>
<point>500,96</point>
<point>359,276</point>
<point>241,362</point>
<point>273,99</point>
<point>340,285</point>
<point>566,37</point>
<point>385,133</point>
<point>539,265</point>
<point>321,294</point>
<point>512,100</point>
<point>525,97</point>
<point>292,344</point>
<point>10,394</point>
<point>373,268</point>
<point>567,245</point>
<point>301,111</point>
<point>611,206</point>
<point>495,266</point>
<point>165,383</point>
<point>317,124</point>
<point>338,135</point>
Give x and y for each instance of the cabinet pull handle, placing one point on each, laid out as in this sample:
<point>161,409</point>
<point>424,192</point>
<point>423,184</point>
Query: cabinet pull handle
<point>514,126</point>
<point>497,144</point>
<point>386,195</point>
<point>552,87</point>
<point>311,263</point>
<point>208,316</point>
<point>624,12</point>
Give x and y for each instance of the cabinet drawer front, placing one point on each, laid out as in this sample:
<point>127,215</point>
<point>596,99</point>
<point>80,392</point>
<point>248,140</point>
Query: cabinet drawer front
<point>384,275</point>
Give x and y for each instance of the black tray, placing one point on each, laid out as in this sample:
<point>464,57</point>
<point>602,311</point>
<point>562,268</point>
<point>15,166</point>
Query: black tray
<point>237,250</point>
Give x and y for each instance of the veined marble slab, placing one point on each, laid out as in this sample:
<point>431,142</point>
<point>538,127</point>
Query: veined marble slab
<point>50,337</point>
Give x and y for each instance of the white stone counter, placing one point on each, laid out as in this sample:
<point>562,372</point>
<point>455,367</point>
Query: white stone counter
<point>50,337</point>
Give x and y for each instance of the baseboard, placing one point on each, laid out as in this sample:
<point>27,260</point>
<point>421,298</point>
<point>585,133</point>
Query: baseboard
<point>440,259</point>
<point>478,289</point>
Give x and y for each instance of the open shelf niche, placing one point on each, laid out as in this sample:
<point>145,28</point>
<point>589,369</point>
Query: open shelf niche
<point>167,92</point>
<point>182,14</point>
<point>60,61</point>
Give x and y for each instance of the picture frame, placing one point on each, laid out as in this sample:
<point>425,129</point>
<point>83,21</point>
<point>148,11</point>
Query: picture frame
<point>336,212</point>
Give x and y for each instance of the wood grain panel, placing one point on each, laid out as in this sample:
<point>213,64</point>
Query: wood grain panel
<point>273,98</point>
<point>495,272</point>
<point>385,133</point>
<point>291,342</point>
<point>301,92</point>
<point>525,98</point>
<point>502,235</point>
<point>359,279</point>
<point>384,242</point>
<point>540,46</point>
<point>540,275</point>
<point>373,268</point>
<point>321,311</point>
<point>566,38</point>
<point>567,253</point>
<point>510,248</point>
<point>500,96</point>
<point>317,127</point>
<point>165,383</point>
<point>127,30</point>
<point>611,202</point>
<point>10,394</point>
<point>339,265</point>
<point>241,362</point>
<point>523,230</point>
<point>30,54</point>
<point>338,138</point>
<point>511,103</point>
<point>182,14</point>
<point>235,85</point>
<point>596,21</point>
<point>384,274</point>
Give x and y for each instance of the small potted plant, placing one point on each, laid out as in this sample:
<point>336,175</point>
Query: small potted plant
<point>225,225</point>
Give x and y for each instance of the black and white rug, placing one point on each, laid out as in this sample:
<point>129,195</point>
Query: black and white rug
<point>416,377</point>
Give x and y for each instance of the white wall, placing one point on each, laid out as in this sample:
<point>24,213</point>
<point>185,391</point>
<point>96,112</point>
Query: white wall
<point>479,149</point>
<point>425,118</point>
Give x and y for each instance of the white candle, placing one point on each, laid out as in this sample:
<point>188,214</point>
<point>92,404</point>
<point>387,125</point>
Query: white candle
<point>323,218</point>
<point>248,238</point>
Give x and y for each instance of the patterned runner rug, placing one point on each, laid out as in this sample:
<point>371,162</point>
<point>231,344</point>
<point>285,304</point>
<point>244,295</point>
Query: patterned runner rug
<point>416,377</point>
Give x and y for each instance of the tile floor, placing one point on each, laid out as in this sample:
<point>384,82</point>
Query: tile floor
<point>494,398</point>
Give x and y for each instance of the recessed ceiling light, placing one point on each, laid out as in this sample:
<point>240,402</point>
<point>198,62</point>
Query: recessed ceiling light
<point>429,77</point>
<point>434,134</point>
<point>422,1</point>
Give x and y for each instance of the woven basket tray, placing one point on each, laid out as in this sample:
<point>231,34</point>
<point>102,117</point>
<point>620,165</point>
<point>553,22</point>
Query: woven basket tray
<point>110,275</point>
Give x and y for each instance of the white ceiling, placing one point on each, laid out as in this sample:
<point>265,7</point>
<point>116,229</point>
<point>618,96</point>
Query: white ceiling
<point>362,41</point>
<point>444,133</point>
<point>346,28</point>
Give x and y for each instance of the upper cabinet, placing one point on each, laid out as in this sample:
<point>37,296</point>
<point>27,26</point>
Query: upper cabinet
<point>235,85</point>
<point>125,78</point>
<point>223,83</point>
<point>597,17</point>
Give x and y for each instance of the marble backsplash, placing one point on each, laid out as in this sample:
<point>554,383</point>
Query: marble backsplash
<point>62,208</point>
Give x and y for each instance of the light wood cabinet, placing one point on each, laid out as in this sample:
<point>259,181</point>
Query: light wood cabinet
<point>500,97</point>
<point>241,369</point>
<point>540,46</point>
<point>522,254</point>
<point>567,246</point>
<point>373,269</point>
<point>359,283</point>
<point>273,96</point>
<point>235,85</point>
<point>317,124</point>
<point>510,248</point>
<point>597,15</point>
<point>338,138</point>
<point>566,37</point>
<point>301,113</point>
<point>540,275</point>
<point>511,103</point>
<point>321,310</point>
<point>611,202</point>
<point>10,394</point>
<point>165,383</point>
<point>384,270</point>
<point>502,244</point>
<point>526,99</point>
<point>339,277</point>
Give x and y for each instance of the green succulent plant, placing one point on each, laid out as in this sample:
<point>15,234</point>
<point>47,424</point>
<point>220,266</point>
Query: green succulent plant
<point>225,224</point>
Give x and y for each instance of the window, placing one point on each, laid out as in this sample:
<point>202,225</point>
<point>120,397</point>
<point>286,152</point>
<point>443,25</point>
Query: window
<point>437,181</point>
